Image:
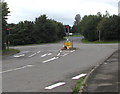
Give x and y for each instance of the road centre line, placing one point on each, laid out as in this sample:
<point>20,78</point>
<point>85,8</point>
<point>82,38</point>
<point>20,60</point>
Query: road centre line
<point>50,59</point>
<point>79,76</point>
<point>17,69</point>
<point>38,52</point>
<point>43,55</point>
<point>65,54</point>
<point>60,51</point>
<point>49,54</point>
<point>32,55</point>
<point>55,85</point>
<point>58,54</point>
<point>72,51</point>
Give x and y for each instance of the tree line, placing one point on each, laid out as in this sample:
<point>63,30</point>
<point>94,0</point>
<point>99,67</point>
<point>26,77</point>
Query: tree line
<point>42,30</point>
<point>98,27</point>
<point>4,11</point>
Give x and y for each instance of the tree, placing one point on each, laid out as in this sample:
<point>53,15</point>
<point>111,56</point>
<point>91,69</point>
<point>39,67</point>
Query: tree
<point>21,33</point>
<point>89,27</point>
<point>5,11</point>
<point>99,14</point>
<point>109,28</point>
<point>47,30</point>
<point>75,27</point>
<point>77,19</point>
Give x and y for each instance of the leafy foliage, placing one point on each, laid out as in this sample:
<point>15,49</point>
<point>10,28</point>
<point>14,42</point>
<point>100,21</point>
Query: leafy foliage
<point>75,27</point>
<point>5,11</point>
<point>109,28</point>
<point>90,26</point>
<point>42,30</point>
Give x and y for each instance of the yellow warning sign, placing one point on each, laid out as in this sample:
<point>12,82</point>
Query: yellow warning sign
<point>67,43</point>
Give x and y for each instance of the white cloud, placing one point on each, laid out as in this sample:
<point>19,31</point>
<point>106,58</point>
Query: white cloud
<point>60,10</point>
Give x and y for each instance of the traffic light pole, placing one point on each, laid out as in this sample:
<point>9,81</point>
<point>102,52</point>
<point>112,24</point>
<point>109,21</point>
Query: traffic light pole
<point>68,36</point>
<point>68,32</point>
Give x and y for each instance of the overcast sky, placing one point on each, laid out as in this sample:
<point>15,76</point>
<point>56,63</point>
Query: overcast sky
<point>60,10</point>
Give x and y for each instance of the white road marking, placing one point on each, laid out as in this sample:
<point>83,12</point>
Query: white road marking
<point>50,59</point>
<point>32,55</point>
<point>55,85</point>
<point>72,51</point>
<point>65,54</point>
<point>58,54</point>
<point>16,69</point>
<point>38,52</point>
<point>49,54</point>
<point>60,51</point>
<point>43,55</point>
<point>19,55</point>
<point>79,76</point>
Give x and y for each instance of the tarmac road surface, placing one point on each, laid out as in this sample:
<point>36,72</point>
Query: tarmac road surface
<point>45,68</point>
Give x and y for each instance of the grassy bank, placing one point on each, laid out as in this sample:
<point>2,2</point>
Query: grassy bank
<point>78,85</point>
<point>9,51</point>
<point>102,42</point>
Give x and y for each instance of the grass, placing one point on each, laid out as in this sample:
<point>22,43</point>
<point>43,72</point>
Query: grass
<point>73,36</point>
<point>79,84</point>
<point>9,51</point>
<point>97,42</point>
<point>76,36</point>
<point>39,43</point>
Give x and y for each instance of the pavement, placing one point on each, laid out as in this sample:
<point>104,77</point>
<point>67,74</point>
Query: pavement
<point>104,78</point>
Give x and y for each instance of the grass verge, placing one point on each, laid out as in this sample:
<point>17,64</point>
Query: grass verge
<point>76,36</point>
<point>9,51</point>
<point>79,84</point>
<point>97,42</point>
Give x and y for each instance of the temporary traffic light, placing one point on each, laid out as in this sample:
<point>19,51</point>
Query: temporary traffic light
<point>66,28</point>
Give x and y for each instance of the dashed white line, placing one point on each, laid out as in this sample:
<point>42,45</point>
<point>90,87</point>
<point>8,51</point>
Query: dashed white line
<point>49,54</point>
<point>72,51</point>
<point>43,55</point>
<point>55,85</point>
<point>60,51</point>
<point>79,76</point>
<point>17,68</point>
<point>58,54</point>
<point>50,59</point>
<point>32,55</point>
<point>19,55</point>
<point>65,54</point>
<point>38,52</point>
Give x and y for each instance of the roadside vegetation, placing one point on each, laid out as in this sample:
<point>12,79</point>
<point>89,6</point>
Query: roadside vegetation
<point>9,51</point>
<point>42,30</point>
<point>78,85</point>
<point>102,27</point>
<point>98,42</point>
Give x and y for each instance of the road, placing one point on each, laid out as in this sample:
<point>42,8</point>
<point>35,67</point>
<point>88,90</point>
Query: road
<point>45,68</point>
